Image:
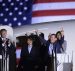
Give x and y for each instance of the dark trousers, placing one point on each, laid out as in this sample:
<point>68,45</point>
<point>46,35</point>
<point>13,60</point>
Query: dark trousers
<point>0,64</point>
<point>50,64</point>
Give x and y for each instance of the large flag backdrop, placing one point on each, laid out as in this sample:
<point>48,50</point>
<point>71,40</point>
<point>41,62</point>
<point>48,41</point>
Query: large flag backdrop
<point>20,12</point>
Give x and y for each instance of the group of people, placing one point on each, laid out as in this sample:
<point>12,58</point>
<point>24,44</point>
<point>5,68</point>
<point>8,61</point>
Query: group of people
<point>37,54</point>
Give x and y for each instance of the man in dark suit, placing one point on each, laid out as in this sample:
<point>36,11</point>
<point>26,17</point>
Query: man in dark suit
<point>30,56</point>
<point>52,47</point>
<point>42,50</point>
<point>9,48</point>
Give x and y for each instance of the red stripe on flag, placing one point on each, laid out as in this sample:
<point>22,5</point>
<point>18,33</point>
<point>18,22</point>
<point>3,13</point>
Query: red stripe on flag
<point>47,1</point>
<point>17,47</point>
<point>17,61</point>
<point>54,12</point>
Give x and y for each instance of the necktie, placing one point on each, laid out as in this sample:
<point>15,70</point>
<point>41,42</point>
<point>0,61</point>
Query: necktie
<point>50,49</point>
<point>29,48</point>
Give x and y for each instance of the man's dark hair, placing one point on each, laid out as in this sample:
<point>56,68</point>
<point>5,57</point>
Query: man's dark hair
<point>3,30</point>
<point>30,37</point>
<point>41,35</point>
<point>53,35</point>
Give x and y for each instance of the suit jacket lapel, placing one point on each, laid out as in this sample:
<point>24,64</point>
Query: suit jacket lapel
<point>27,50</point>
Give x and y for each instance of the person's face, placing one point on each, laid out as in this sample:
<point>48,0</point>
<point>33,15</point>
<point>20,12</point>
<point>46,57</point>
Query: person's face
<point>4,34</point>
<point>53,39</point>
<point>29,41</point>
<point>59,36</point>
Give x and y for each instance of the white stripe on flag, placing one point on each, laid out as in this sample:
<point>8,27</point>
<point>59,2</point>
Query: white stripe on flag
<point>42,19</point>
<point>54,6</point>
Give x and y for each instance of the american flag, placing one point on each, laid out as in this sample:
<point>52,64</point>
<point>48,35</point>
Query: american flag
<point>53,10</point>
<point>21,12</point>
<point>15,12</point>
